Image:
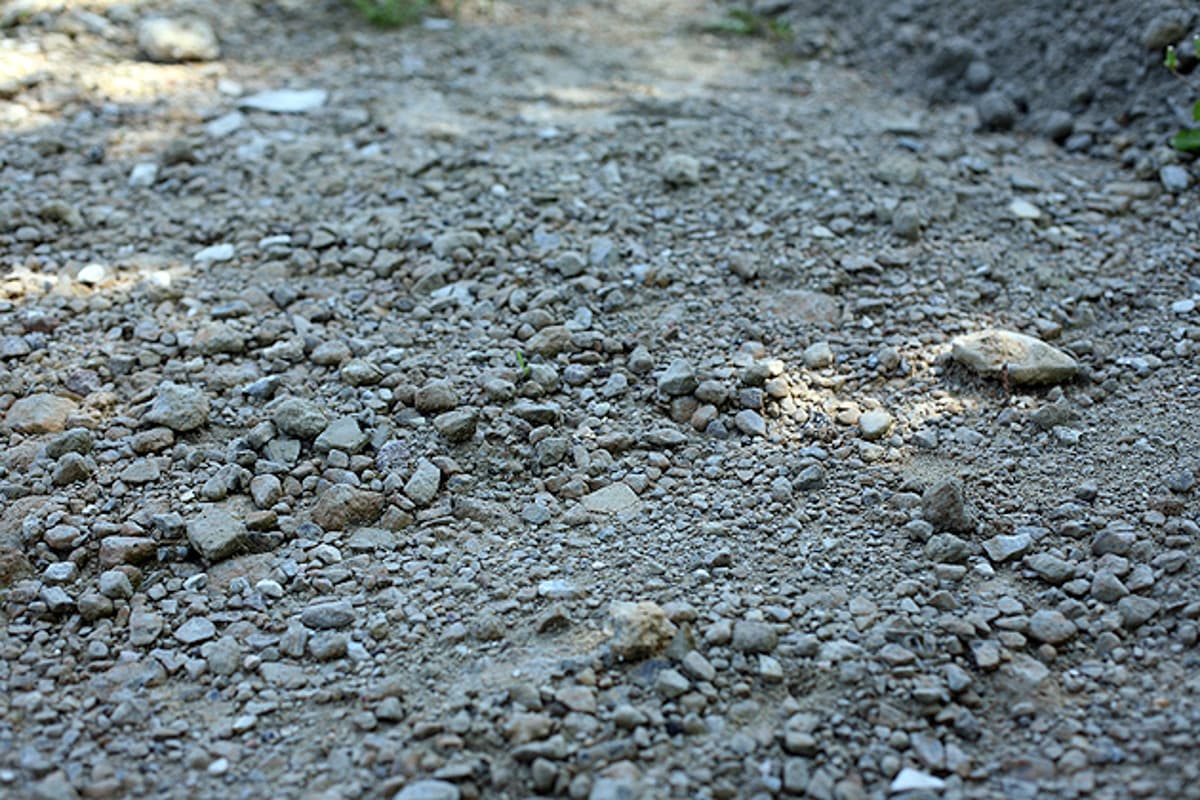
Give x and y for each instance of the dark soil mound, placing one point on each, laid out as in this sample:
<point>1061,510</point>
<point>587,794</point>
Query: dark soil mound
<point>1079,71</point>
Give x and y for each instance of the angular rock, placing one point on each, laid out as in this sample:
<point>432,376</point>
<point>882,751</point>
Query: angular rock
<point>944,506</point>
<point>435,397</point>
<point>1025,359</point>
<point>1005,547</point>
<point>424,483</point>
<point>457,426</point>
<point>341,507</point>
<point>611,499</point>
<point>342,434</point>
<point>285,101</point>
<point>679,379</point>
<point>640,630</point>
<point>1050,626</point>
<point>754,637</point>
<point>180,408</point>
<point>216,534</point>
<point>300,418</point>
<point>429,790</point>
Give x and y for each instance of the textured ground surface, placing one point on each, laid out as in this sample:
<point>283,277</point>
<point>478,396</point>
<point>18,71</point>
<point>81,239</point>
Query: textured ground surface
<point>336,440</point>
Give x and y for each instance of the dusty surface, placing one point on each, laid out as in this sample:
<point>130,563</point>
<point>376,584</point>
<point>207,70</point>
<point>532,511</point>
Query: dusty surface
<point>564,408</point>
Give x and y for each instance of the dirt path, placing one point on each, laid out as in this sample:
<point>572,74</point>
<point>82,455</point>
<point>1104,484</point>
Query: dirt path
<point>563,406</point>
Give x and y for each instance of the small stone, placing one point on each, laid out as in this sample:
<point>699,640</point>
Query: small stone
<point>679,379</point>
<point>115,584</point>
<point>1051,627</point>
<point>196,630</point>
<point>180,408</point>
<point>913,780</point>
<point>997,111</point>
<point>216,534</point>
<point>640,630</point>
<point>341,434</point>
<point>76,440</point>
<point>328,646</point>
<point>907,221</point>
<point>1165,28</point>
<point>429,790</point>
<point>265,490</point>
<point>750,423</point>
<point>39,413</point>
<point>435,397</point>
<point>818,355</point>
<point>1052,569</point>
<point>612,499</point>
<point>1107,587</point>
<point>1136,611</point>
<point>1023,209</point>
<point>680,169</point>
<point>946,548</point>
<point>71,468</point>
<point>754,637</point>
<point>424,483</point>
<point>1026,360</point>
<point>549,341</point>
<point>670,683</point>
<point>214,254</point>
<point>875,424</point>
<point>168,40</point>
<point>285,101</point>
<point>457,426</point>
<point>1174,178</point>
<point>117,550</point>
<point>1005,548</point>
<point>341,507</point>
<point>944,506</point>
<point>300,418</point>
<point>328,615</point>
<point>811,477</point>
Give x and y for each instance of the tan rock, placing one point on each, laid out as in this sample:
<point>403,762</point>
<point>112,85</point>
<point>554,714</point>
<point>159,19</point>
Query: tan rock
<point>1027,360</point>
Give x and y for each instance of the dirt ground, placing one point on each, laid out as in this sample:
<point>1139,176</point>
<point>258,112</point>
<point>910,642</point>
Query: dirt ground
<point>571,400</point>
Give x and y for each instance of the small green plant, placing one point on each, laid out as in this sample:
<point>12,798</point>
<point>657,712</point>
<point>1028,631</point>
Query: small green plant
<point>743,22</point>
<point>522,363</point>
<point>1188,139</point>
<point>392,13</point>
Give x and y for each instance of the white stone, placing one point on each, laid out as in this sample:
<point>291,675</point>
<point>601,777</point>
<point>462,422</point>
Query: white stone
<point>92,274</point>
<point>182,39</point>
<point>225,124</point>
<point>143,174</point>
<point>1023,209</point>
<point>612,499</point>
<point>215,252</point>
<point>286,101</point>
<point>1025,359</point>
<point>913,780</point>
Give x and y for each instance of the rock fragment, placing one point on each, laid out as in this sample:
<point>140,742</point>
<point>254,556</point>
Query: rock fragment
<point>1024,359</point>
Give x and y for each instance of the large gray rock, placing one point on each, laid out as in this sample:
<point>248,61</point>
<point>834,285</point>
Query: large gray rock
<point>1026,360</point>
<point>39,413</point>
<point>944,506</point>
<point>179,39</point>
<point>216,534</point>
<point>180,408</point>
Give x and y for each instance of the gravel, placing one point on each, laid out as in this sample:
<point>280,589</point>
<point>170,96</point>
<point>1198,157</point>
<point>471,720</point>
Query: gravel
<point>576,403</point>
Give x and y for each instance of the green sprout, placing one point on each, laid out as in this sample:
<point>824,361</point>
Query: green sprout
<point>522,363</point>
<point>1188,139</point>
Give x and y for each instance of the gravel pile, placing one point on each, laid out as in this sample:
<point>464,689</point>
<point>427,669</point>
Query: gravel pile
<point>576,405</point>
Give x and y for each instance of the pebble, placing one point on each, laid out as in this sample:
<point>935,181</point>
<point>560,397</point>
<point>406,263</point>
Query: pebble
<point>303,419</point>
<point>944,505</point>
<point>179,408</point>
<point>754,637</point>
<point>422,486</point>
<point>429,790</point>
<point>680,169</point>
<point>328,614</point>
<point>1046,625</point>
<point>176,39</point>
<point>196,630</point>
<point>750,423</point>
<point>875,424</point>
<point>214,254</point>
<point>817,355</point>
<point>679,379</point>
<point>1175,178</point>
<point>285,101</point>
<point>1007,547</point>
<point>615,498</point>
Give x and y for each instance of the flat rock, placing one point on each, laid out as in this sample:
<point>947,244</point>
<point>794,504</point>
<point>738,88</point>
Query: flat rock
<point>1027,360</point>
<point>429,790</point>
<point>39,413</point>
<point>1007,547</point>
<point>422,486</point>
<point>301,418</point>
<point>216,534</point>
<point>342,434</point>
<point>327,615</point>
<point>612,499</point>
<point>285,101</point>
<point>914,780</point>
<point>195,630</point>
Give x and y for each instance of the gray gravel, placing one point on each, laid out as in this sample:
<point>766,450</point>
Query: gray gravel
<point>566,404</point>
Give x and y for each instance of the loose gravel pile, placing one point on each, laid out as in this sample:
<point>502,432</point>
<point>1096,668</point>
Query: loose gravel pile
<point>574,404</point>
